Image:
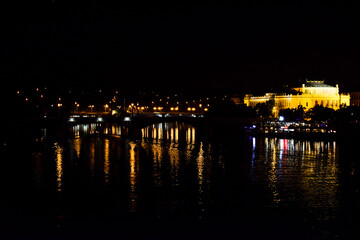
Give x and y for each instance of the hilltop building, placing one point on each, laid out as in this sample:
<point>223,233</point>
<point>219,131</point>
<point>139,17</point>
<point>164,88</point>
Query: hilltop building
<point>309,95</point>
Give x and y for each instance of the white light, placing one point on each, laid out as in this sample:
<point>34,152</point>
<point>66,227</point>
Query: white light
<point>71,119</point>
<point>127,119</point>
<point>99,119</point>
<point>281,118</point>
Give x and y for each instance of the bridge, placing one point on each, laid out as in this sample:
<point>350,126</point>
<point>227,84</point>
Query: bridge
<point>134,123</point>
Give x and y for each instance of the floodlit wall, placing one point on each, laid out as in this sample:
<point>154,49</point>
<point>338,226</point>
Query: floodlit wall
<point>315,93</point>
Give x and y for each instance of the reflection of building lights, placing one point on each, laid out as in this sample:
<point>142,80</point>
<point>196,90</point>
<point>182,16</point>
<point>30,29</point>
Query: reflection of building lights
<point>59,167</point>
<point>133,173</point>
<point>106,160</point>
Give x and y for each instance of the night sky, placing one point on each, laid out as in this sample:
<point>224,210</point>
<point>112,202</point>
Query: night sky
<point>223,44</point>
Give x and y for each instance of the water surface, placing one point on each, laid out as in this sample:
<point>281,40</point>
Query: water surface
<point>174,182</point>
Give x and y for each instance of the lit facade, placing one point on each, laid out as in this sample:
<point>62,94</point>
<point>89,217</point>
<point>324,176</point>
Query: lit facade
<point>309,95</point>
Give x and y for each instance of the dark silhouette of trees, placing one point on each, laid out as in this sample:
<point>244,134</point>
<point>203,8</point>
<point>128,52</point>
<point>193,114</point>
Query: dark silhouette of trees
<point>230,109</point>
<point>293,115</point>
<point>320,113</point>
<point>265,110</point>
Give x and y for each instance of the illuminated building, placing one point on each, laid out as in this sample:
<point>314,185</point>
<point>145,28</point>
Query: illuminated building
<point>309,95</point>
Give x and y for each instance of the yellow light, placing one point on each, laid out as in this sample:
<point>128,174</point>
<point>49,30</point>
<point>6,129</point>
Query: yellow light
<point>154,108</point>
<point>177,108</point>
<point>200,105</point>
<point>172,109</point>
<point>193,109</point>
<point>189,108</point>
<point>142,108</point>
<point>205,109</point>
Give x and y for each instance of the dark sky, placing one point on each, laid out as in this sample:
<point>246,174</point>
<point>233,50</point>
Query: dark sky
<point>180,44</point>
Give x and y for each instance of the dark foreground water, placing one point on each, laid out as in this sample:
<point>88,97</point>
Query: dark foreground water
<point>174,183</point>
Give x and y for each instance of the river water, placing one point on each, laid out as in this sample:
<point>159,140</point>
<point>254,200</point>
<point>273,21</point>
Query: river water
<point>175,182</point>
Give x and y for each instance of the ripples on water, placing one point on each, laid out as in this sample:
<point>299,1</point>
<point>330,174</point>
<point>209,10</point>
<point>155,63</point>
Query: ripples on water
<point>174,174</point>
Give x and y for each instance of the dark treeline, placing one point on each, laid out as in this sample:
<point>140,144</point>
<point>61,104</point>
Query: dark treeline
<point>264,111</point>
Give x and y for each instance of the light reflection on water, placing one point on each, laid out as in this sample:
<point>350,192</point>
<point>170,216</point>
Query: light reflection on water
<point>296,171</point>
<point>171,168</point>
<point>133,173</point>
<point>59,165</point>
